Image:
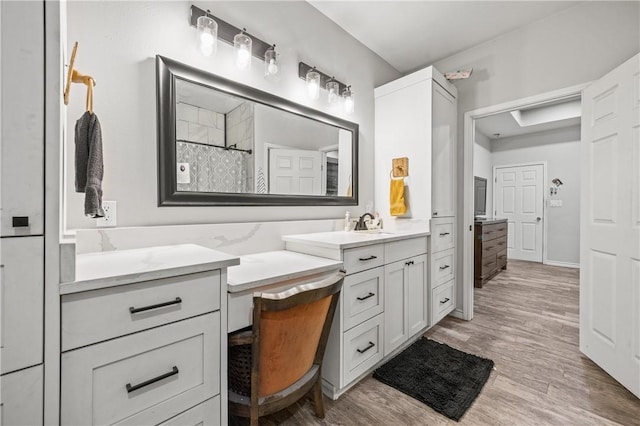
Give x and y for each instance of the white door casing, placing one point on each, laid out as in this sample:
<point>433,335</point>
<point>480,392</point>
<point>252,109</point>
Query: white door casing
<point>610,224</point>
<point>294,171</point>
<point>519,197</point>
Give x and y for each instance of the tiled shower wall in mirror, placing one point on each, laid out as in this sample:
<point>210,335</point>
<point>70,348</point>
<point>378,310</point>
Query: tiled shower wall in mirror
<point>202,137</point>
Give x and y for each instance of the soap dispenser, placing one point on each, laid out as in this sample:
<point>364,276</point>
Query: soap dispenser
<point>347,219</point>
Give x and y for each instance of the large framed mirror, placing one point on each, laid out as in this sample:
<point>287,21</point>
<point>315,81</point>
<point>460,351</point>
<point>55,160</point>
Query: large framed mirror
<point>224,143</point>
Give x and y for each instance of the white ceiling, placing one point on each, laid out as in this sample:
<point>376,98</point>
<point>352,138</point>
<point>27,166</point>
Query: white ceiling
<point>411,35</point>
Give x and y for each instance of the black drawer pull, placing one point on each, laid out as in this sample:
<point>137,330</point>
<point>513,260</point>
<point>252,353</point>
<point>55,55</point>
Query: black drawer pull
<point>444,267</point>
<point>409,263</point>
<point>159,305</point>
<point>364,259</point>
<point>133,388</point>
<point>20,221</point>
<point>442,234</point>
<point>442,302</point>
<point>435,213</point>
<point>369,346</point>
<point>366,297</point>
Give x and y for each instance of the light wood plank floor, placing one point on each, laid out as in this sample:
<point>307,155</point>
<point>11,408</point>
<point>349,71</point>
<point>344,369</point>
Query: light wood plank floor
<point>526,321</point>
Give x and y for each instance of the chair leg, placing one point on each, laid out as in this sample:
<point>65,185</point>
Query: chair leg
<point>317,398</point>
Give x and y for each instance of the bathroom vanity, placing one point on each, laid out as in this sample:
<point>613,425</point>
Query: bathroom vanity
<point>385,302</point>
<point>144,337</point>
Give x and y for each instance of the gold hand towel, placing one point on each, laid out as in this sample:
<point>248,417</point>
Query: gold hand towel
<point>396,198</point>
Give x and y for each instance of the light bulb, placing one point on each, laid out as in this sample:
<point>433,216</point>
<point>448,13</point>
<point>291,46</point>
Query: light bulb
<point>206,43</point>
<point>334,89</point>
<point>207,35</point>
<point>313,84</point>
<point>348,105</point>
<point>242,44</point>
<point>272,67</point>
<point>243,57</point>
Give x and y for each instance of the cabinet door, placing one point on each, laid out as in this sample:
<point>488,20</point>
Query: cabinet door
<point>22,136</point>
<point>21,284</point>
<point>443,153</point>
<point>395,305</point>
<point>21,400</point>
<point>417,292</point>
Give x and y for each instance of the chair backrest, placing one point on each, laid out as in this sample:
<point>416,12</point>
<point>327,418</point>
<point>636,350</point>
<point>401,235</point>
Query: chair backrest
<point>290,332</point>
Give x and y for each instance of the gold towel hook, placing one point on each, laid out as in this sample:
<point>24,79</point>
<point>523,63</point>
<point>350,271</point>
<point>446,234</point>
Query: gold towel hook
<point>73,76</point>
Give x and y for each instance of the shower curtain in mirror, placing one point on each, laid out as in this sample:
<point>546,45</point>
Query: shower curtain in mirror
<point>214,169</point>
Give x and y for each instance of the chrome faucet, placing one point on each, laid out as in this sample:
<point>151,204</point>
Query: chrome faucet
<point>361,226</point>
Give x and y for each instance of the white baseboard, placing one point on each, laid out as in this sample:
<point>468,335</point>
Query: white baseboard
<point>562,264</point>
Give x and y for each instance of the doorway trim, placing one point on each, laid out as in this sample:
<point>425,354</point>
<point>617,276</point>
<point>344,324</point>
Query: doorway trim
<point>467,177</point>
<point>544,198</point>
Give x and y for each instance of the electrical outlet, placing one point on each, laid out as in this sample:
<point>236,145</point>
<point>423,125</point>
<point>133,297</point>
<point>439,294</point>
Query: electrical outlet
<point>110,215</point>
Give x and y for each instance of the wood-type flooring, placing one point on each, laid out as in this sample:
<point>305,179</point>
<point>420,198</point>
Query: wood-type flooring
<point>526,321</point>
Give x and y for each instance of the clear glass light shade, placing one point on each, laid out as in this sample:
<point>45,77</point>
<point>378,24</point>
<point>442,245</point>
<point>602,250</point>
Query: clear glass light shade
<point>349,102</point>
<point>333,89</point>
<point>207,35</point>
<point>242,44</point>
<point>270,62</point>
<point>313,84</point>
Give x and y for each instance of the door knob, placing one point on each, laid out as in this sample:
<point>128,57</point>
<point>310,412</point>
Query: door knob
<point>538,219</point>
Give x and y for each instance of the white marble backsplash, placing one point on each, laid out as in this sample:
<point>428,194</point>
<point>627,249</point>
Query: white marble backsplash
<point>232,238</point>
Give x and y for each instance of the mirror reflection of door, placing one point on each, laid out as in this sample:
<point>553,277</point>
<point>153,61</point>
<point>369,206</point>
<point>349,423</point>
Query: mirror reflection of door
<point>295,171</point>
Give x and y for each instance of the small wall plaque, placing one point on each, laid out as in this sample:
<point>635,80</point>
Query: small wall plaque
<point>400,167</point>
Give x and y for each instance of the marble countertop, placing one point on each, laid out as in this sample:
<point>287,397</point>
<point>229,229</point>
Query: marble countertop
<point>344,240</point>
<point>262,269</point>
<point>113,268</point>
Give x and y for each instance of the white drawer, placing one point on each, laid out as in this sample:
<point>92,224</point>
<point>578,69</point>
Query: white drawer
<point>98,382</point>
<point>205,414</point>
<point>443,301</point>
<point>404,249</point>
<point>22,303</point>
<point>442,267</point>
<point>21,397</point>
<point>98,315</point>
<point>361,258</point>
<point>362,296</point>
<point>362,347</point>
<point>442,234</point>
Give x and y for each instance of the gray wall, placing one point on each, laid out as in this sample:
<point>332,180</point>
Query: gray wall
<point>118,43</point>
<point>482,166</point>
<point>561,150</point>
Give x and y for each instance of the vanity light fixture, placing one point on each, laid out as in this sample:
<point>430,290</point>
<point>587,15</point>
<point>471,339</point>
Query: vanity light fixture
<point>207,34</point>
<point>313,83</point>
<point>349,102</point>
<point>270,61</point>
<point>242,44</point>
<point>317,80</point>
<point>333,89</point>
<point>227,33</point>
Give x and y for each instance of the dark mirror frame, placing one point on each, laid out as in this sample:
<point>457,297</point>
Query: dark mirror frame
<point>167,70</point>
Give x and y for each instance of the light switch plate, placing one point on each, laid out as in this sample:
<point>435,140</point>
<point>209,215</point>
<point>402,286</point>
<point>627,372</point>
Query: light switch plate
<point>555,203</point>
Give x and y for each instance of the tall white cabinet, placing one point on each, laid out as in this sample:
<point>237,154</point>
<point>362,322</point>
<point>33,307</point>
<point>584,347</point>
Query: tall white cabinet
<point>21,212</point>
<point>416,117</point>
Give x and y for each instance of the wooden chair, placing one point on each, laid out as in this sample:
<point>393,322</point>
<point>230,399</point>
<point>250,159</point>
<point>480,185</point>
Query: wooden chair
<point>287,342</point>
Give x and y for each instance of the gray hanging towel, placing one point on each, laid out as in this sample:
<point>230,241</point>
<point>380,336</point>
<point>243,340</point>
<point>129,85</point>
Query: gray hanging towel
<point>89,166</point>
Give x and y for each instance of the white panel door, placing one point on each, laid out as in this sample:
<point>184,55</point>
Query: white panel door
<point>610,224</point>
<point>519,197</point>
<point>294,171</point>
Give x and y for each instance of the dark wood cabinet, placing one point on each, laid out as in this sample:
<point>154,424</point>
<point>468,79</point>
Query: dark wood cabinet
<point>490,249</point>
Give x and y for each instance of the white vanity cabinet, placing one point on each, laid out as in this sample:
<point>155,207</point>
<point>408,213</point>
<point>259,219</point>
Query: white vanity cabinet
<point>406,308</point>
<point>21,397</point>
<point>415,117</point>
<point>384,303</point>
<point>442,282</point>
<point>22,83</point>
<point>146,347</point>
